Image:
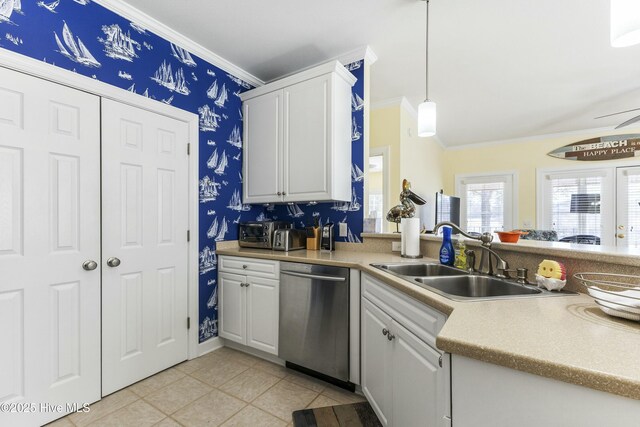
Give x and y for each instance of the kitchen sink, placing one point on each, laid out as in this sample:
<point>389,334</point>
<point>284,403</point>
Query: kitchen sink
<point>421,269</point>
<point>459,285</point>
<point>475,286</point>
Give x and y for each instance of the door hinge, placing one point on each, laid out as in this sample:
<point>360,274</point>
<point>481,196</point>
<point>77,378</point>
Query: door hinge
<point>188,322</point>
<point>440,361</point>
<point>188,235</point>
<point>188,149</point>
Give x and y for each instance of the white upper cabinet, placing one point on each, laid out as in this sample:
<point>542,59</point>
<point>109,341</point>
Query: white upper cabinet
<point>297,138</point>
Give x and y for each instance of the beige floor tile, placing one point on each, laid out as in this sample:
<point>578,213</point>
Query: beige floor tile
<point>249,384</point>
<point>177,395</point>
<point>236,356</point>
<point>62,422</point>
<point>168,422</point>
<point>306,381</point>
<point>138,414</point>
<point>159,380</point>
<point>104,407</point>
<point>284,398</point>
<point>341,395</point>
<point>323,401</point>
<point>195,364</point>
<point>251,416</point>
<point>219,371</point>
<point>210,410</point>
<point>271,368</point>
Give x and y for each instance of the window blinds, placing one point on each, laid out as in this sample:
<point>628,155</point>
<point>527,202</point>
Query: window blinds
<point>573,205</point>
<point>485,206</point>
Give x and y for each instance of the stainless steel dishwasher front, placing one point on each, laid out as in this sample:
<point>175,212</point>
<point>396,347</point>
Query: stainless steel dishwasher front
<point>314,318</point>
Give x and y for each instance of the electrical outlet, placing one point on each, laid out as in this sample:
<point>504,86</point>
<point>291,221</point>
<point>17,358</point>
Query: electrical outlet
<point>343,229</point>
<point>396,246</point>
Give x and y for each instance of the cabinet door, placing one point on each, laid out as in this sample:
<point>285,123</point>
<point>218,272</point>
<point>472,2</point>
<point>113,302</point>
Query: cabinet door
<point>376,360</point>
<point>420,387</point>
<point>307,140</point>
<point>262,314</point>
<point>232,307</point>
<point>262,152</point>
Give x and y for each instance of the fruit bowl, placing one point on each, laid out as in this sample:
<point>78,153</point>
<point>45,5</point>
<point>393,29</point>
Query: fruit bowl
<point>509,236</point>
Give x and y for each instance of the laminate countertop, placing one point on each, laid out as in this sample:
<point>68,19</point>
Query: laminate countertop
<point>566,338</point>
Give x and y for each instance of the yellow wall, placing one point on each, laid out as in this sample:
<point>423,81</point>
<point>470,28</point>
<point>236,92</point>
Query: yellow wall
<point>523,157</point>
<point>419,160</point>
<point>384,125</point>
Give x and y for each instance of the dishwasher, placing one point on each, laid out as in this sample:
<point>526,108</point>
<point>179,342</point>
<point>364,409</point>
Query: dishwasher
<point>314,321</point>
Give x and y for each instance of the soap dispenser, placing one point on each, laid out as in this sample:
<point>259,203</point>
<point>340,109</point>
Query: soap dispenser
<point>447,252</point>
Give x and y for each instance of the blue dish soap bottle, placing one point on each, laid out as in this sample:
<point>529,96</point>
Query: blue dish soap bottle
<point>447,252</point>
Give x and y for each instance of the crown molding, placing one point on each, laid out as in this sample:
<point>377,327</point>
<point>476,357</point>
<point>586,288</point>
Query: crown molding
<point>136,15</point>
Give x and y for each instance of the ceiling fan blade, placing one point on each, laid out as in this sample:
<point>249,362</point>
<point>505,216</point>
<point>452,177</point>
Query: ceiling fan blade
<point>628,122</point>
<point>615,114</point>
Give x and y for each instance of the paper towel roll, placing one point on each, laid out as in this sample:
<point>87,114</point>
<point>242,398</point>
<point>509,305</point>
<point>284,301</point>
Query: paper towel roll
<point>403,240</point>
<point>411,236</point>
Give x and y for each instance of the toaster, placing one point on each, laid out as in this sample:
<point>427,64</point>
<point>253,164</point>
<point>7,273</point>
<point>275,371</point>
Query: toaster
<point>289,240</point>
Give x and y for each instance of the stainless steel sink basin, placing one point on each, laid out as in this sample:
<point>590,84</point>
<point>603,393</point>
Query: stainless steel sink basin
<point>420,270</point>
<point>459,285</point>
<point>474,286</point>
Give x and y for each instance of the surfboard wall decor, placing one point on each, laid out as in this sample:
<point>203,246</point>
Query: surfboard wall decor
<point>604,148</point>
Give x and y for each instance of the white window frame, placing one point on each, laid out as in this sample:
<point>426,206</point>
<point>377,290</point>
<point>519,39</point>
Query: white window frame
<point>607,197</point>
<point>510,178</point>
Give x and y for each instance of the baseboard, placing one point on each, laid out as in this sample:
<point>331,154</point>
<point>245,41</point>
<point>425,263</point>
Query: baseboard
<point>209,345</point>
<point>252,351</point>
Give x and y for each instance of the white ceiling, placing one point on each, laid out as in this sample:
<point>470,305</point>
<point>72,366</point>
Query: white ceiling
<point>500,69</point>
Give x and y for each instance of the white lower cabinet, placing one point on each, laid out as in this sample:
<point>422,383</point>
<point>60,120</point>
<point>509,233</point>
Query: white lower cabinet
<point>406,380</point>
<point>249,306</point>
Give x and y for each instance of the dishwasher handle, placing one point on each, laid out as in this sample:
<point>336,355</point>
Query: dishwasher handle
<point>314,276</point>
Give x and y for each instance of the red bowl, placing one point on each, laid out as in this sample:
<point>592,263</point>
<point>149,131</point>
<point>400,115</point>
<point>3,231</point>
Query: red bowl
<point>509,236</point>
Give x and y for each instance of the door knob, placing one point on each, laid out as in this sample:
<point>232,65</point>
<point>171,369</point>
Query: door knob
<point>620,236</point>
<point>113,262</point>
<point>89,265</point>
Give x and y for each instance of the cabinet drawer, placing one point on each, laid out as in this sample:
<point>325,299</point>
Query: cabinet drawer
<point>250,266</point>
<point>420,319</point>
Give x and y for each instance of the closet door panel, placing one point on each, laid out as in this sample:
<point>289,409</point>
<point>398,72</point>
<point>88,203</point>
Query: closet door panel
<point>144,227</point>
<point>49,227</point>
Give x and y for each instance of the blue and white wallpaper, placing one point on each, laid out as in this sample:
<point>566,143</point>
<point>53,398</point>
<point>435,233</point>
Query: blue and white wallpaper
<point>88,39</point>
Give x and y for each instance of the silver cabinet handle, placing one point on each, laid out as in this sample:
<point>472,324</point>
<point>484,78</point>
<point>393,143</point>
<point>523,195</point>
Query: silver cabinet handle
<point>279,193</point>
<point>385,331</point>
<point>245,267</point>
<point>284,194</point>
<point>390,336</point>
<point>89,265</point>
<point>113,262</point>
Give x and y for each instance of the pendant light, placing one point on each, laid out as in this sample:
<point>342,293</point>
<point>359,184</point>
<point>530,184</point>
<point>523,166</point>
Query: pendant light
<point>625,23</point>
<point>427,110</point>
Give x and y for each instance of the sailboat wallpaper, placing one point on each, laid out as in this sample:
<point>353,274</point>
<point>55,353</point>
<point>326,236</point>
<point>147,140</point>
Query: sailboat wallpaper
<point>86,38</point>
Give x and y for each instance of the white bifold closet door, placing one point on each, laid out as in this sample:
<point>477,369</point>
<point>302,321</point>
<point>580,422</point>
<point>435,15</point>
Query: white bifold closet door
<point>49,216</point>
<point>144,244</point>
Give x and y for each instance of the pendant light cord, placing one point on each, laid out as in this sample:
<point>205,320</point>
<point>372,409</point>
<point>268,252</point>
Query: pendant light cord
<point>426,56</point>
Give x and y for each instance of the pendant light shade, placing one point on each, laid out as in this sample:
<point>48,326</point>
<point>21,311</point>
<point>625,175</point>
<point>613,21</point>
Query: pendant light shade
<point>427,119</point>
<point>625,23</point>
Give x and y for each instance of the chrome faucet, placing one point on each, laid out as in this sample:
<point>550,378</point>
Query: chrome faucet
<point>501,265</point>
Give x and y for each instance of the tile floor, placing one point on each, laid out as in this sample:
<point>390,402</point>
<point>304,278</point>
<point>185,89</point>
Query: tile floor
<point>223,388</point>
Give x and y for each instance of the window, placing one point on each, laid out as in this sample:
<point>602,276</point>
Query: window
<point>578,204</point>
<point>487,202</point>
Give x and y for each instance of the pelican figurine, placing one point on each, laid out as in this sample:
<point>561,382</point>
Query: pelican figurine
<point>406,208</point>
